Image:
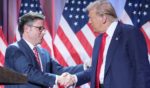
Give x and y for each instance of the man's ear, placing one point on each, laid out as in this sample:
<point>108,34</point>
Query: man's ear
<point>26,28</point>
<point>104,19</point>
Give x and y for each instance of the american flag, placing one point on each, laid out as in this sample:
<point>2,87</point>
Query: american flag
<point>3,44</point>
<point>73,42</point>
<point>74,39</point>
<point>35,6</point>
<point>137,13</point>
<point>73,45</point>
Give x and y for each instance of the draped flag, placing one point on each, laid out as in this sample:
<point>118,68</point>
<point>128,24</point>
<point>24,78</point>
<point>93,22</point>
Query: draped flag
<point>137,13</point>
<point>3,44</point>
<point>74,40</point>
<point>34,6</point>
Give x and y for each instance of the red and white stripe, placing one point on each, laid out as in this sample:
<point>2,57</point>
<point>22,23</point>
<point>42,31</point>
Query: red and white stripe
<point>3,46</point>
<point>146,31</point>
<point>71,49</point>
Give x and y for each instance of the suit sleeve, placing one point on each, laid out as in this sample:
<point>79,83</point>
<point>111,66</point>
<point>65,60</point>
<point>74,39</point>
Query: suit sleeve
<point>16,60</point>
<point>84,77</point>
<point>58,69</point>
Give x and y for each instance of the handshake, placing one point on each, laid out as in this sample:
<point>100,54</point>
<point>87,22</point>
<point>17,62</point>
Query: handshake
<point>66,80</point>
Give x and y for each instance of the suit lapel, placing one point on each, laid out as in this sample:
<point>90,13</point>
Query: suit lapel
<point>25,48</point>
<point>112,47</point>
<point>27,51</point>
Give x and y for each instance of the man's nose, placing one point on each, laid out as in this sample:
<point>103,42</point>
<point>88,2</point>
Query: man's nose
<point>89,21</point>
<point>44,31</point>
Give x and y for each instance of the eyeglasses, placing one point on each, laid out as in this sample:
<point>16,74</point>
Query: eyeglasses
<point>41,28</point>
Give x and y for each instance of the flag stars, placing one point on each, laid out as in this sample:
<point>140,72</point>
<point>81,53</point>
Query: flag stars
<point>26,4</point>
<point>146,6</point>
<point>140,4</point>
<point>79,2</point>
<point>25,11</point>
<point>36,5</point>
<point>135,5</point>
<point>82,16</point>
<point>73,2</point>
<point>83,10</point>
<point>66,8</point>
<point>75,23</point>
<point>70,16</point>
<point>138,20</point>
<point>71,9</point>
<point>134,12</point>
<point>144,13</point>
<point>40,12</point>
<point>130,4</point>
<point>139,12</point>
<point>32,5</point>
<point>77,13</point>
<point>77,16</point>
<point>78,9</point>
<point>67,1</point>
<point>84,2</point>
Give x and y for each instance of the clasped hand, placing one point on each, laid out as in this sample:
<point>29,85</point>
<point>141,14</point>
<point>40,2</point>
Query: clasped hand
<point>66,80</point>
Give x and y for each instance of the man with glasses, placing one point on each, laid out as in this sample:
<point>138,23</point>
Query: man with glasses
<point>27,58</point>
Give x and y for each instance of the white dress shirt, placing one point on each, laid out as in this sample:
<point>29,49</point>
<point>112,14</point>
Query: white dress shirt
<point>31,47</point>
<point>110,32</point>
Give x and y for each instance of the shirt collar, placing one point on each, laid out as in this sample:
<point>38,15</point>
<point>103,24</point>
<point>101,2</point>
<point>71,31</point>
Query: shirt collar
<point>111,28</point>
<point>30,45</point>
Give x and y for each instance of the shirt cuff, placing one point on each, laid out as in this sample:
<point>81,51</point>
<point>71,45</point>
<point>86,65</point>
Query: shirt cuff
<point>76,79</point>
<point>56,79</point>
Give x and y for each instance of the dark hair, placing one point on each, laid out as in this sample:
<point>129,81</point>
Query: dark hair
<point>28,19</point>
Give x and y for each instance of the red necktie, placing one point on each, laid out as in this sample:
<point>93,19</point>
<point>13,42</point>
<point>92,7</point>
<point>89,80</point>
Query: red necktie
<point>36,55</point>
<point>100,59</point>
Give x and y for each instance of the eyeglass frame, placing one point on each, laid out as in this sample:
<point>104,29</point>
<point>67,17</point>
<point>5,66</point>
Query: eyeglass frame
<point>40,28</point>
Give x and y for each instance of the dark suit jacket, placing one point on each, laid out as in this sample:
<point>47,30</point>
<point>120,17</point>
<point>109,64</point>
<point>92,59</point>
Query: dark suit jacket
<point>20,58</point>
<point>127,63</point>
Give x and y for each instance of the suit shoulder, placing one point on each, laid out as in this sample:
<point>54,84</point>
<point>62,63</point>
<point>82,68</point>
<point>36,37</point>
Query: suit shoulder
<point>129,29</point>
<point>132,32</point>
<point>13,46</point>
<point>12,50</point>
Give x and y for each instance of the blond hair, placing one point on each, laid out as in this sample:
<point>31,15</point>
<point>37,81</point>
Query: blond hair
<point>102,7</point>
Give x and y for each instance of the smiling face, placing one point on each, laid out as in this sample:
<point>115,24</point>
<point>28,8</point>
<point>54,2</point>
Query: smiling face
<point>34,33</point>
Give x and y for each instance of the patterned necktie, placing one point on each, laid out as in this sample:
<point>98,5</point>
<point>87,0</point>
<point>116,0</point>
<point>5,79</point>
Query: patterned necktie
<point>100,59</point>
<point>36,55</point>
